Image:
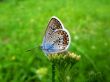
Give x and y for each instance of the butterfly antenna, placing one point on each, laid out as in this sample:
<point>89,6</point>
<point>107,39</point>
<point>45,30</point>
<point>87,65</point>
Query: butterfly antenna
<point>31,49</point>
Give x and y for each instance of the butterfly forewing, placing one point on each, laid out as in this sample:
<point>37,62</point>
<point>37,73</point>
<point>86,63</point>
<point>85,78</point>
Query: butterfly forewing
<point>53,24</point>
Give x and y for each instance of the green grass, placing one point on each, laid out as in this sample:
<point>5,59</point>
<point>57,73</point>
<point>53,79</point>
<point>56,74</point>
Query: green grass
<point>23,24</point>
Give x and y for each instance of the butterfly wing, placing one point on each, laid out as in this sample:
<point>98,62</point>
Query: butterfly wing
<point>57,38</point>
<point>53,24</point>
<point>58,42</point>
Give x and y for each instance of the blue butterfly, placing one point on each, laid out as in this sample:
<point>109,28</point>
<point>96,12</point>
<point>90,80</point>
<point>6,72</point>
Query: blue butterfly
<point>57,38</point>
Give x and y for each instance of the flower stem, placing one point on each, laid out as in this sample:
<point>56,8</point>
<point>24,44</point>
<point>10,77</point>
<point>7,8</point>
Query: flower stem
<point>53,72</point>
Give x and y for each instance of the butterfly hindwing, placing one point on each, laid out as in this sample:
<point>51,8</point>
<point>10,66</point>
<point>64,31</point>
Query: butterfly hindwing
<point>59,42</point>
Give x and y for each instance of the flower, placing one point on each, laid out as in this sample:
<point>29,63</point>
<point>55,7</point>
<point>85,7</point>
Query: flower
<point>63,63</point>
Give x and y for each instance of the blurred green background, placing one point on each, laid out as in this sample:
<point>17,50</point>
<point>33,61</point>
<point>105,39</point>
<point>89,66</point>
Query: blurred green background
<point>23,24</point>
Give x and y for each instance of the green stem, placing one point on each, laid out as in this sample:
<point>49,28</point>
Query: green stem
<point>53,72</point>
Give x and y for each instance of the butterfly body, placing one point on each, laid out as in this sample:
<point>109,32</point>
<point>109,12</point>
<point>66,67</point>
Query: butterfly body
<point>57,38</point>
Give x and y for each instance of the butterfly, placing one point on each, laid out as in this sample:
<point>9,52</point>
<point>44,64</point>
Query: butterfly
<point>56,38</point>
